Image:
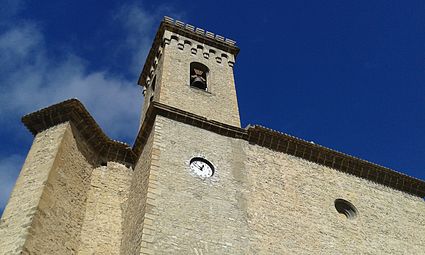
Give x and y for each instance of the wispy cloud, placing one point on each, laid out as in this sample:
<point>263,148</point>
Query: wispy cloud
<point>8,175</point>
<point>138,22</point>
<point>32,79</point>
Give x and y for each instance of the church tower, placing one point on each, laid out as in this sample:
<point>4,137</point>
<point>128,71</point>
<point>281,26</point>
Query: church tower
<point>192,70</point>
<point>188,77</point>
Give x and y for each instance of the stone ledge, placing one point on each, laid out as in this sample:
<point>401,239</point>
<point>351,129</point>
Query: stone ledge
<point>285,143</point>
<point>156,108</point>
<point>74,111</point>
<point>281,142</point>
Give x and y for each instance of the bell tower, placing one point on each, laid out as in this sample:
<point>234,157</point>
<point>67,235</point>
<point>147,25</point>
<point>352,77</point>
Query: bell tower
<point>191,69</point>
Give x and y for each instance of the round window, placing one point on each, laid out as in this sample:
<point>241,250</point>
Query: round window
<point>346,208</point>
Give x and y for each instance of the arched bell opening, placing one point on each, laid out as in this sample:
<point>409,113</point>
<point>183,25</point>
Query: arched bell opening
<point>198,75</point>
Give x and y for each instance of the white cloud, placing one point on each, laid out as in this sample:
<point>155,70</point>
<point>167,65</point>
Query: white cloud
<point>8,175</point>
<point>31,80</point>
<point>16,44</point>
<point>139,22</point>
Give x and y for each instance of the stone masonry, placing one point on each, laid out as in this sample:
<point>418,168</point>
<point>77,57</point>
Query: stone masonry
<point>264,202</point>
<point>79,192</point>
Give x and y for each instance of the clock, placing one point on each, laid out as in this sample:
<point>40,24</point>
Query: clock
<point>201,167</point>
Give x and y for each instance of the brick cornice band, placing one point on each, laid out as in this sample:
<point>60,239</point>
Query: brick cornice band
<point>345,163</point>
<point>73,111</point>
<point>278,141</point>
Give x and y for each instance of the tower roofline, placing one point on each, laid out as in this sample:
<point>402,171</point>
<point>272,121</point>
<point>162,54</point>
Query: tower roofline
<point>188,31</point>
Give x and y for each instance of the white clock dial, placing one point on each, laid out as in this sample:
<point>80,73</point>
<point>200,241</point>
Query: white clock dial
<point>201,167</point>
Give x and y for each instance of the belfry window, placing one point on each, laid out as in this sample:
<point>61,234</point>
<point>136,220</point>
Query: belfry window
<point>198,75</point>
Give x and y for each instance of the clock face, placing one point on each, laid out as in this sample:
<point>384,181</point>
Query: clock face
<point>201,167</point>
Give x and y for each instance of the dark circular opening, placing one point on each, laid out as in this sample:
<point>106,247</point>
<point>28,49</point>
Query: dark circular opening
<point>346,208</point>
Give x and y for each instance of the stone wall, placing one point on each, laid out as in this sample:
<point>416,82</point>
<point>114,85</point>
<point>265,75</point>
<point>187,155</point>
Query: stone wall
<point>51,192</point>
<point>23,203</point>
<point>191,215</point>
<point>292,210</point>
<point>134,215</point>
<point>57,224</point>
<point>61,203</point>
<point>106,202</point>
<point>265,202</point>
<point>258,202</point>
<point>388,221</point>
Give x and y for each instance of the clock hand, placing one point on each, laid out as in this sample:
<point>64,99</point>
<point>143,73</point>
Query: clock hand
<point>198,166</point>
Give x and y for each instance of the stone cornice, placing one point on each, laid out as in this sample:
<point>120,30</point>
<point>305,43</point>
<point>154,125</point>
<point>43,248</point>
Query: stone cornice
<point>281,142</point>
<point>74,111</point>
<point>342,162</point>
<point>188,31</point>
<point>157,108</point>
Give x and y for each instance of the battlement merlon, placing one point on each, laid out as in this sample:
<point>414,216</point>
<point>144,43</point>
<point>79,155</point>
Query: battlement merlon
<point>189,31</point>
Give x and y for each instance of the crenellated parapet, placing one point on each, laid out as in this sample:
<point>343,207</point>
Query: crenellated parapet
<point>194,47</point>
<point>185,37</point>
<point>199,31</point>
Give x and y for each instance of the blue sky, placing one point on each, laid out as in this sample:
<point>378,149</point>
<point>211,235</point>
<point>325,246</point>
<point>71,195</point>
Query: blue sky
<point>349,75</point>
